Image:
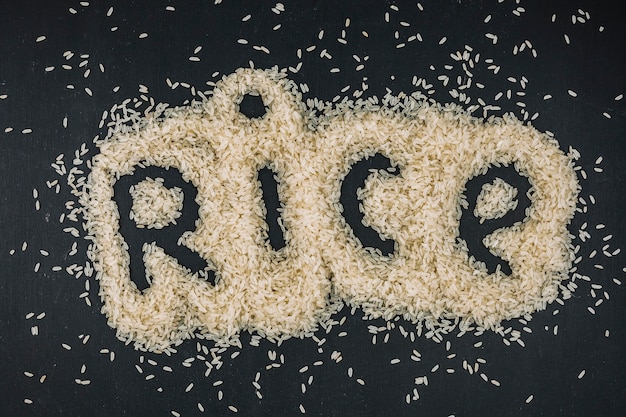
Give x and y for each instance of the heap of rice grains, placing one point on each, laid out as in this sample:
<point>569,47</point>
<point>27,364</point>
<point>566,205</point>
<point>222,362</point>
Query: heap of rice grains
<point>429,278</point>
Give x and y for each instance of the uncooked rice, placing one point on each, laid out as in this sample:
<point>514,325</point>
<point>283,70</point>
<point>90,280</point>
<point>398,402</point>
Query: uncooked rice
<point>154,205</point>
<point>495,200</point>
<point>279,294</point>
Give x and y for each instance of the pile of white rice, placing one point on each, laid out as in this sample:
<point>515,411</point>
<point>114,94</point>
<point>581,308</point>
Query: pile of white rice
<point>279,294</point>
<point>495,200</point>
<point>154,205</point>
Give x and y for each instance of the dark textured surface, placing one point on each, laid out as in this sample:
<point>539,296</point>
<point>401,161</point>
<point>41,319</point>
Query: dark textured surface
<point>592,65</point>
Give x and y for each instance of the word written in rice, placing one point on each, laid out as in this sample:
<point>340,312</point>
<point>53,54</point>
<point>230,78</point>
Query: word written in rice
<point>435,151</point>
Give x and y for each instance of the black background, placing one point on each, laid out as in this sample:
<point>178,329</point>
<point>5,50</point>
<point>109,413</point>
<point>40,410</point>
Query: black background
<point>592,65</point>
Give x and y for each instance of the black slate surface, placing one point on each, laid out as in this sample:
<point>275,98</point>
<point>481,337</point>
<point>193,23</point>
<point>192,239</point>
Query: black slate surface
<point>38,98</point>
